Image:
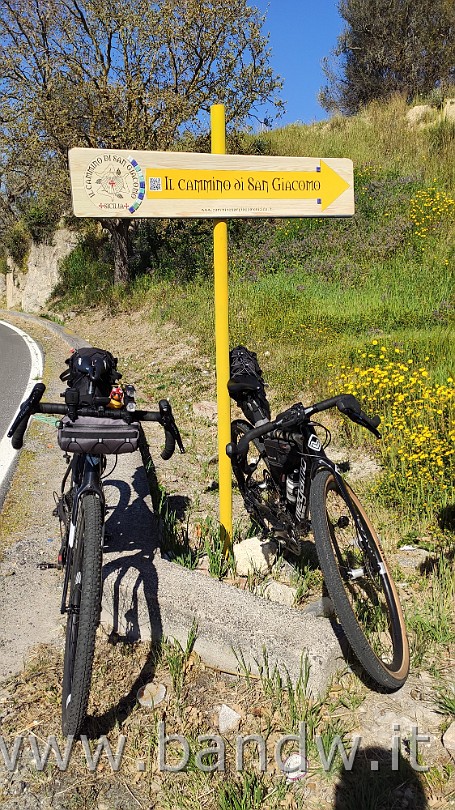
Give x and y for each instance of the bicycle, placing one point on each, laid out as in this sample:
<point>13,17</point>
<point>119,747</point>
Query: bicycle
<point>291,488</point>
<point>89,435</point>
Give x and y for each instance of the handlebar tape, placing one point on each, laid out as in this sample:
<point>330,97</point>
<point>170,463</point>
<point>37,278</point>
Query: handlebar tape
<point>169,445</point>
<point>167,420</point>
<point>241,448</point>
<point>17,439</point>
<point>28,407</point>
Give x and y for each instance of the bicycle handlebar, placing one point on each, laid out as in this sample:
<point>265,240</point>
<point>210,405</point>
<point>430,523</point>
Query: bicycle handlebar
<point>19,426</point>
<point>298,414</point>
<point>350,406</point>
<point>33,405</point>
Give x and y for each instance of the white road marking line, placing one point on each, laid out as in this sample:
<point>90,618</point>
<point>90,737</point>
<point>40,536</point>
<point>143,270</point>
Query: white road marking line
<point>7,453</point>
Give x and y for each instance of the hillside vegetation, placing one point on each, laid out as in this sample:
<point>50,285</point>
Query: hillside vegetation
<point>363,304</point>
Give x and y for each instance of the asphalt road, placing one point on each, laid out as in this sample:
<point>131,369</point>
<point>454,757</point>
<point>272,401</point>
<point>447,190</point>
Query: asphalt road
<point>15,369</point>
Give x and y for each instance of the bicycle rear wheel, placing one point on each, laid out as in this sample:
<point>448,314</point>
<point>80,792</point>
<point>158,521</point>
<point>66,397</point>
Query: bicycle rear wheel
<point>359,581</point>
<point>83,613</point>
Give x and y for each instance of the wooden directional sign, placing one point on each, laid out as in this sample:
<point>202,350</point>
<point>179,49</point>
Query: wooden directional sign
<point>120,183</point>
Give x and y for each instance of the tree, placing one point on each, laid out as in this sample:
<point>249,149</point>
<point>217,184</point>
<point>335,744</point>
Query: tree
<point>389,46</point>
<point>120,74</point>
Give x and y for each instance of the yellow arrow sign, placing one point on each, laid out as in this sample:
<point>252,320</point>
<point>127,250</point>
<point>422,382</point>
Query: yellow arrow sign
<point>119,183</point>
<point>323,185</point>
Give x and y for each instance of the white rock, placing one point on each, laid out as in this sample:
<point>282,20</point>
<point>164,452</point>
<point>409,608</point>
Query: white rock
<point>419,113</point>
<point>228,719</point>
<point>151,695</point>
<point>448,740</point>
<point>322,608</point>
<point>412,557</point>
<point>296,767</point>
<point>278,592</point>
<point>31,289</point>
<point>206,408</point>
<point>449,109</point>
<point>254,556</point>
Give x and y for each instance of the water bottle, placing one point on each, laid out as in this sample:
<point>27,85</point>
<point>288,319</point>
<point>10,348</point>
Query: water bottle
<point>292,486</point>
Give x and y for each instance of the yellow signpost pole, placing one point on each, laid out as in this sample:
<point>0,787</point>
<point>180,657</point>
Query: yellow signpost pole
<point>220,259</point>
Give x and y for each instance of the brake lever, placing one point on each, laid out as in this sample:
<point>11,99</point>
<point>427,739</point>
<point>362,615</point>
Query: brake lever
<point>365,421</point>
<point>27,407</point>
<point>169,423</point>
<point>291,417</point>
<point>177,436</point>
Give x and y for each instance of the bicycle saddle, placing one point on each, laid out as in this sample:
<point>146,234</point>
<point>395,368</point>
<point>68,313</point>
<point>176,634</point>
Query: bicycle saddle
<point>243,382</point>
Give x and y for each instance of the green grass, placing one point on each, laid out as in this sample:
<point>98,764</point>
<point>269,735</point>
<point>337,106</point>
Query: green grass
<point>430,619</point>
<point>446,699</point>
<point>380,135</point>
<point>177,657</point>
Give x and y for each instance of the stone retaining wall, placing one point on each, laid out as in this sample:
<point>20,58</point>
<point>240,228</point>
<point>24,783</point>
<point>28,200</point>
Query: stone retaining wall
<point>30,290</point>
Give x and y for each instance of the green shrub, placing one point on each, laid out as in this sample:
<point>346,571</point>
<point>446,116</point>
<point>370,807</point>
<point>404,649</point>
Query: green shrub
<point>171,248</point>
<point>17,242</point>
<point>86,273</point>
<point>41,218</point>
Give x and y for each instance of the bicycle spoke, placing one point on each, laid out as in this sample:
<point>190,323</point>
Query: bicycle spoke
<point>364,588</point>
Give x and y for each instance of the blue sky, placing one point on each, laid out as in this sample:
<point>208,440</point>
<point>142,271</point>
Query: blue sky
<point>302,32</point>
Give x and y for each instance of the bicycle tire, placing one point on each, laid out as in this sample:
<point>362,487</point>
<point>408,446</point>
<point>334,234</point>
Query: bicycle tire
<point>359,581</point>
<point>84,606</point>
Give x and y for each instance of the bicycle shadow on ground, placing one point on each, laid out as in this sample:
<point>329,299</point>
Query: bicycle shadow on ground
<point>130,584</point>
<point>377,781</point>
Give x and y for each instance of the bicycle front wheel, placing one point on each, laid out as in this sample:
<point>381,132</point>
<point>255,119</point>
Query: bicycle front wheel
<point>359,581</point>
<point>83,613</point>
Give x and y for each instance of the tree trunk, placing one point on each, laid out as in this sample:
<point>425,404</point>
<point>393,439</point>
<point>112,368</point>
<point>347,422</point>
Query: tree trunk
<point>118,229</point>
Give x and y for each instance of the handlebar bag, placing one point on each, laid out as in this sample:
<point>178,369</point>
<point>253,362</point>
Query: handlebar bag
<point>92,372</point>
<point>98,436</point>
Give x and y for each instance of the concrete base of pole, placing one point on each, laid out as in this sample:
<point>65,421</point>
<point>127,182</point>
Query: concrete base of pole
<point>147,597</point>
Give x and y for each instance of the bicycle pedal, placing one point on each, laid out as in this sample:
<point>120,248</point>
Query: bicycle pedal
<point>43,566</point>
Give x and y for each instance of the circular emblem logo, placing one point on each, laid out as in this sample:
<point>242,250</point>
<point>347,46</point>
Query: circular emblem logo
<point>114,183</point>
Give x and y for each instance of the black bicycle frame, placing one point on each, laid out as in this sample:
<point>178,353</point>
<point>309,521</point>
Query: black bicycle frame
<point>312,460</point>
<point>86,477</point>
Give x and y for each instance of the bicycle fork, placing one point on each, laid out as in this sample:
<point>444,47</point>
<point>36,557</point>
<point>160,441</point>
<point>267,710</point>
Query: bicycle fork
<point>376,566</point>
<point>91,482</point>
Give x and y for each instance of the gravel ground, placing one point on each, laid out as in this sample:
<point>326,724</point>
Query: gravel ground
<point>29,594</point>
